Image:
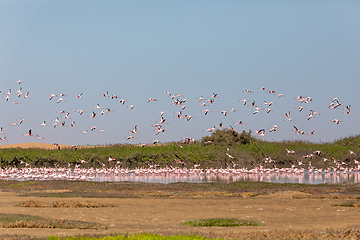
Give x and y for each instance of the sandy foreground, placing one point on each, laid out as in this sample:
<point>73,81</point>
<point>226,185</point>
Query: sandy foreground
<point>278,211</point>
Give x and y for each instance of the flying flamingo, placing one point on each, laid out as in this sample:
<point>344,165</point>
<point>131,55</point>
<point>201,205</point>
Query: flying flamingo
<point>52,96</point>
<point>273,128</point>
<point>42,124</point>
<point>129,137</point>
<point>347,109</point>
<point>160,130</point>
<point>244,101</point>
<point>151,99</point>
<point>162,120</point>
<point>248,91</point>
<point>134,130</point>
<point>80,111</point>
<point>79,95</point>
<point>335,121</point>
<point>39,137</point>
<point>29,134</point>
<point>206,111</point>
<point>224,112</point>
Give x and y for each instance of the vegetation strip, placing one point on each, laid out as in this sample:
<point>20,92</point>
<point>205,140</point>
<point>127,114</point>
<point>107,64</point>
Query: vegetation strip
<point>221,222</point>
<point>348,204</point>
<point>209,152</point>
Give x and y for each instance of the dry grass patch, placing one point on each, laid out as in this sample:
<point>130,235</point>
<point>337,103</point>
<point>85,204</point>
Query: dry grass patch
<point>326,196</point>
<point>64,204</point>
<point>250,194</point>
<point>161,194</point>
<point>212,194</point>
<point>348,204</point>
<point>29,221</point>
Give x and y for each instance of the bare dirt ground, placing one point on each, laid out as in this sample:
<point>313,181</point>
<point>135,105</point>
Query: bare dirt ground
<point>287,210</point>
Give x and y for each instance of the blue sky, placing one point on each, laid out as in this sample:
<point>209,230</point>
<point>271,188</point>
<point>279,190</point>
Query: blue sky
<point>141,49</point>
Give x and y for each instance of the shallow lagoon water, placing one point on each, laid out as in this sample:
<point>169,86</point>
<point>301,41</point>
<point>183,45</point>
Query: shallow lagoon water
<point>306,178</point>
<point>189,176</point>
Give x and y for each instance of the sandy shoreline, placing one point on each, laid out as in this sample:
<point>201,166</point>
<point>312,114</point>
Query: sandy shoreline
<point>34,145</point>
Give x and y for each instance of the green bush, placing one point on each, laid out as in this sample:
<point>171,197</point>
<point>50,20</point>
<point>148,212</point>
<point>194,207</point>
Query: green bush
<point>229,137</point>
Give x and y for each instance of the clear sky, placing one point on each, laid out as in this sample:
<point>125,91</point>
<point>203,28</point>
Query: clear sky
<point>141,49</point>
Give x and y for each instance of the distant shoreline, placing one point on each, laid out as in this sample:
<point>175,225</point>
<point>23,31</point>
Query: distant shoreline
<point>34,145</point>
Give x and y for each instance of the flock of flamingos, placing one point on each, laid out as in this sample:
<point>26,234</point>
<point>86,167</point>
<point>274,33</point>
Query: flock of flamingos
<point>169,174</point>
<point>117,173</point>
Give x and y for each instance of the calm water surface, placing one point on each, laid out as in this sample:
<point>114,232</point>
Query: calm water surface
<point>308,178</point>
